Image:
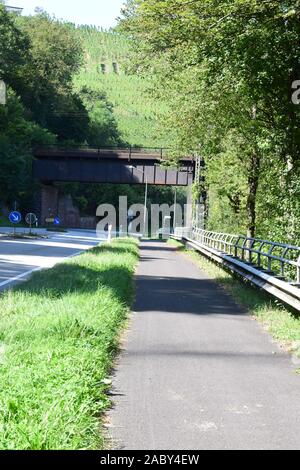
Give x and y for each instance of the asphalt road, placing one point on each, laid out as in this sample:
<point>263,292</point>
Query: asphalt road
<point>196,371</point>
<point>20,257</point>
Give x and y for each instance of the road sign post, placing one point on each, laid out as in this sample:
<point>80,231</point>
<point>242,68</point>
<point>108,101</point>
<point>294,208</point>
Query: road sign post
<point>15,218</point>
<point>30,220</point>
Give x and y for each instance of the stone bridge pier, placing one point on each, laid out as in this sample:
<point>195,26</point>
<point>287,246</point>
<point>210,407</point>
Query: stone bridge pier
<point>48,202</point>
<point>52,204</point>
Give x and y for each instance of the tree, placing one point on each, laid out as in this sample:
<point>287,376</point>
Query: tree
<point>17,137</point>
<point>227,68</point>
<point>103,129</point>
<point>13,51</point>
<point>47,88</point>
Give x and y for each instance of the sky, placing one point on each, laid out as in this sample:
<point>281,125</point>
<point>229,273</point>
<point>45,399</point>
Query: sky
<point>96,12</point>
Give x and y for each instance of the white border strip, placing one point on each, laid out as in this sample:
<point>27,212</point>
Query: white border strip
<point>40,268</point>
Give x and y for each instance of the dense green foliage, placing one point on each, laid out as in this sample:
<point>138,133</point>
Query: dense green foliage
<point>57,94</point>
<point>17,136</point>
<point>117,99</point>
<point>38,58</point>
<point>227,69</point>
<point>215,76</point>
<point>59,333</point>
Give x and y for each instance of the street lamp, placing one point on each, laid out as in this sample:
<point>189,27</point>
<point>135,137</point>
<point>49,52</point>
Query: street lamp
<point>146,194</point>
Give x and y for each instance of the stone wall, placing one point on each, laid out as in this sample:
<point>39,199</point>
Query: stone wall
<point>50,204</point>
<point>68,213</point>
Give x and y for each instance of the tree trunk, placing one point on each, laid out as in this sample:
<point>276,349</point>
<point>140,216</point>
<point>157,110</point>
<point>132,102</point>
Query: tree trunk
<point>253,180</point>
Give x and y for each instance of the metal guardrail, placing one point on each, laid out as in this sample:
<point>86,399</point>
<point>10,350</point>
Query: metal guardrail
<point>272,266</point>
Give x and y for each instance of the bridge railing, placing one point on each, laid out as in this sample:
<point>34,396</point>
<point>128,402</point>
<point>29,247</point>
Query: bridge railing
<point>275,259</point>
<point>158,152</point>
<point>101,150</point>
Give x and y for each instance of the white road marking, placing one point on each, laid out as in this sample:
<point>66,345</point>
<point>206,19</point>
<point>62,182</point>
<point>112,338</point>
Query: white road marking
<point>39,268</point>
<point>16,278</point>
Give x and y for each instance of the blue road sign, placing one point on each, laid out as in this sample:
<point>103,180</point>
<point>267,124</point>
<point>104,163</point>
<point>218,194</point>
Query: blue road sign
<point>57,221</point>
<point>15,217</point>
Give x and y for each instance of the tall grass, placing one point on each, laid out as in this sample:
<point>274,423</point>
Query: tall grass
<point>58,337</point>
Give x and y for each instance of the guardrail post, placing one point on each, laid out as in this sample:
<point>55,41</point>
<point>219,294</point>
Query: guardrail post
<point>269,257</point>
<point>219,239</point>
<point>282,262</point>
<point>259,254</point>
<point>243,248</point>
<point>251,244</point>
<point>236,247</point>
<point>231,245</point>
<point>225,244</point>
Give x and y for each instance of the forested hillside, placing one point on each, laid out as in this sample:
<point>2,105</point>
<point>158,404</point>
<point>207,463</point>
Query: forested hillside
<point>107,69</point>
<point>217,77</point>
<point>57,93</point>
<point>123,112</point>
<point>38,59</point>
<point>229,71</point>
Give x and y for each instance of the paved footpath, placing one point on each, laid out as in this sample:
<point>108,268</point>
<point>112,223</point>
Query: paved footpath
<point>197,372</point>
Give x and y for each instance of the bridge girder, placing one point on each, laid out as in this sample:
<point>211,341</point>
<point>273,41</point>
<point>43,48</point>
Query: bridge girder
<point>128,166</point>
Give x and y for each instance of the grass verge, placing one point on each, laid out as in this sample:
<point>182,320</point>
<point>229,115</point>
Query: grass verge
<point>58,338</point>
<point>282,323</point>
